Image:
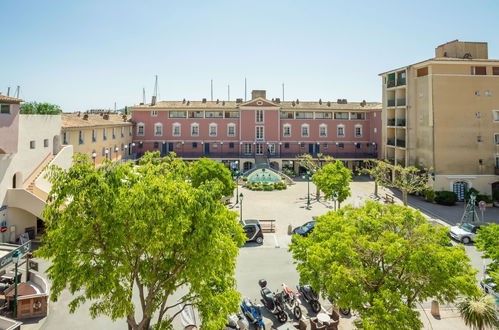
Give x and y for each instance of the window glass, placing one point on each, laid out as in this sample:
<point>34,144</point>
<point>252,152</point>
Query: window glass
<point>357,115</point>
<point>194,130</point>
<point>259,132</point>
<point>259,116</point>
<point>341,115</point>
<point>323,130</point>
<point>323,115</point>
<point>176,129</point>
<point>287,130</point>
<point>287,114</point>
<point>231,114</point>
<point>195,114</point>
<point>4,108</point>
<point>213,130</point>
<point>304,130</point>
<point>304,115</point>
<point>341,131</point>
<point>177,114</point>
<point>214,114</point>
<point>231,130</point>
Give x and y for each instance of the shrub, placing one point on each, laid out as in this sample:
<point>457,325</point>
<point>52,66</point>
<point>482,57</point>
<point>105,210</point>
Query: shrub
<point>245,179</point>
<point>485,198</point>
<point>469,191</point>
<point>445,197</point>
<point>280,185</point>
<point>268,187</point>
<point>429,195</point>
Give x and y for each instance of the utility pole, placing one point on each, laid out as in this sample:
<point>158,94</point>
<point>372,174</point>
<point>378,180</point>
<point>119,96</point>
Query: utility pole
<point>155,95</point>
<point>245,89</point>
<point>282,92</point>
<point>143,95</point>
<point>211,89</point>
<point>8,91</point>
<point>228,92</point>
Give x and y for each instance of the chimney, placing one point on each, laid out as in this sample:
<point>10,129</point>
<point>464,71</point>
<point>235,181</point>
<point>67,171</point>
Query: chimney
<point>85,117</point>
<point>258,93</point>
<point>106,116</point>
<point>204,100</point>
<point>239,100</point>
<point>79,113</point>
<point>277,100</point>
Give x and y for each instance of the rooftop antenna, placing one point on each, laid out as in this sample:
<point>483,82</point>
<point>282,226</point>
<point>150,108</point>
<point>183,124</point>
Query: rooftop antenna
<point>155,95</point>
<point>8,91</point>
<point>143,95</point>
<point>228,92</point>
<point>211,89</point>
<point>114,106</point>
<point>245,89</point>
<point>18,90</point>
<point>282,92</point>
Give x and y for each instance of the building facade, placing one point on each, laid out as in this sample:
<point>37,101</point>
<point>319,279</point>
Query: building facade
<point>100,136</point>
<point>260,129</point>
<point>443,113</point>
<point>28,144</point>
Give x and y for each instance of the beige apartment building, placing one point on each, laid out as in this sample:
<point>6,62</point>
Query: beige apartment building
<point>443,113</point>
<point>100,136</point>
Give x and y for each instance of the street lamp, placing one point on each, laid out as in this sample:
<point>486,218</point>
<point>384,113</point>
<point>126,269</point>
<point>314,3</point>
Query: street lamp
<point>126,154</point>
<point>116,151</point>
<point>15,260</point>
<point>94,155</point>
<point>107,152</point>
<point>241,207</point>
<point>334,200</point>
<point>131,149</point>
<point>308,175</point>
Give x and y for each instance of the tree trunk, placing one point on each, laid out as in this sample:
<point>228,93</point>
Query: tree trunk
<point>375,188</point>
<point>144,324</point>
<point>317,193</point>
<point>404,197</point>
<point>339,205</point>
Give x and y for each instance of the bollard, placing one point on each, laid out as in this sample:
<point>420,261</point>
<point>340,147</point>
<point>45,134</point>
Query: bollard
<point>290,229</point>
<point>435,309</point>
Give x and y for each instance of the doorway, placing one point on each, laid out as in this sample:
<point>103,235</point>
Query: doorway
<point>259,149</point>
<point>207,148</point>
<point>311,148</point>
<point>163,149</point>
<point>170,147</point>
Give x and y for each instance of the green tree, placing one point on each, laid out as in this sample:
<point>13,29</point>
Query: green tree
<point>314,164</point>
<point>479,312</point>
<point>127,238</point>
<point>35,108</point>
<point>334,178</point>
<point>204,170</point>
<point>487,242</point>
<point>380,171</point>
<point>381,260</point>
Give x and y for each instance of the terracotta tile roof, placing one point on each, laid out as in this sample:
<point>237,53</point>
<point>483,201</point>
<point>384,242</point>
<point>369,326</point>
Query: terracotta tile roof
<point>72,120</point>
<point>232,105</point>
<point>23,289</point>
<point>8,99</point>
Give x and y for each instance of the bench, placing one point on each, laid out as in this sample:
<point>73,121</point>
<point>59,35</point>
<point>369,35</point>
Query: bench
<point>268,226</point>
<point>388,199</point>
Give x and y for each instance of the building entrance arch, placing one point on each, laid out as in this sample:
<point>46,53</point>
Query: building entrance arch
<point>495,191</point>
<point>247,166</point>
<point>17,180</point>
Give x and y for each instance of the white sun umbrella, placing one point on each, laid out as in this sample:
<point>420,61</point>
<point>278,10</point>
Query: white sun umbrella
<point>188,317</point>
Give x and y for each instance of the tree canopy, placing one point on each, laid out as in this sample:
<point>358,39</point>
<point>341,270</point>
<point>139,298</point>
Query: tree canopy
<point>128,237</point>
<point>487,242</point>
<point>334,178</point>
<point>204,170</point>
<point>35,108</point>
<point>380,260</point>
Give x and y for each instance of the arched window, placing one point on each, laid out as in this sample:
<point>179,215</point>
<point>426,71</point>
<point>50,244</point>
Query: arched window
<point>231,129</point>
<point>194,129</point>
<point>340,130</point>
<point>158,129</point>
<point>358,130</point>
<point>305,130</point>
<point>286,130</point>
<point>323,130</point>
<point>140,130</point>
<point>213,129</point>
<point>176,129</point>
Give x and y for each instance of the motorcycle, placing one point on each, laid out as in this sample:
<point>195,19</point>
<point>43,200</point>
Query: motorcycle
<point>236,321</point>
<point>309,295</point>
<point>252,313</point>
<point>343,311</point>
<point>274,303</point>
<point>291,301</point>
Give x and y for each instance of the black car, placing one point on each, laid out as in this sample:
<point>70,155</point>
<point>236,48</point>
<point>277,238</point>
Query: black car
<point>306,229</point>
<point>252,230</point>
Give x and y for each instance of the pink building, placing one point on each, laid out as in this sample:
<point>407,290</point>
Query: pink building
<point>259,130</point>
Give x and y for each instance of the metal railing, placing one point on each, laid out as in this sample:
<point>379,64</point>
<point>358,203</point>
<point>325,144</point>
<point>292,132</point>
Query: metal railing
<point>391,103</point>
<point>391,83</point>
<point>390,122</point>
<point>401,82</point>
<point>401,102</point>
<point>390,142</point>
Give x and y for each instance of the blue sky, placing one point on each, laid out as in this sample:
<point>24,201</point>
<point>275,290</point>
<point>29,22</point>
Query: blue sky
<point>92,53</point>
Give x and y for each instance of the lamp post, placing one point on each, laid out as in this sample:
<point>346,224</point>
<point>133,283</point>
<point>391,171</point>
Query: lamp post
<point>334,200</point>
<point>116,151</point>
<point>125,153</point>
<point>241,207</point>
<point>94,155</point>
<point>15,260</point>
<point>131,149</point>
<point>236,176</point>
<point>106,152</point>
<point>308,175</point>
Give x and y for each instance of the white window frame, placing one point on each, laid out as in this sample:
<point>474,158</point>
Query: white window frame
<point>156,126</point>
<point>248,148</point>
<point>213,125</point>
<point>288,126</point>
<point>307,126</point>
<point>338,130</point>
<point>154,113</point>
<point>257,128</point>
<point>229,126</point>
<point>323,126</point>
<point>174,126</point>
<point>358,126</point>
<point>65,138</point>
<point>495,115</point>
<point>496,138</point>
<point>259,118</point>
<point>197,126</point>
<point>139,127</point>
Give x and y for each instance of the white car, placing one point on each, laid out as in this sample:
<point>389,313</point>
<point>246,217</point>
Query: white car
<point>489,287</point>
<point>465,232</point>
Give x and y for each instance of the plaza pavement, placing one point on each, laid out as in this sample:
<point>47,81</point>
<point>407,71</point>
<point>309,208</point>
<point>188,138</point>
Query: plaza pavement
<point>271,261</point>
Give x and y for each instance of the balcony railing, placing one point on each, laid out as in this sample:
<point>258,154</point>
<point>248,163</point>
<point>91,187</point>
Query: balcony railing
<point>333,154</point>
<point>356,155</point>
<point>400,102</point>
<point>391,83</point>
<point>401,143</point>
<point>390,122</point>
<point>391,103</point>
<point>401,82</point>
<point>390,142</point>
<point>401,122</point>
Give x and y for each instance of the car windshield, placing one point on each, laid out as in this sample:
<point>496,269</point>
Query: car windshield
<point>466,226</point>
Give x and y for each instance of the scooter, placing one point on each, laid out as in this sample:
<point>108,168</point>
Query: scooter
<point>309,295</point>
<point>252,313</point>
<point>274,303</point>
<point>237,322</point>
<point>291,301</point>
